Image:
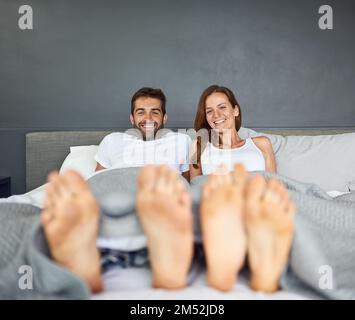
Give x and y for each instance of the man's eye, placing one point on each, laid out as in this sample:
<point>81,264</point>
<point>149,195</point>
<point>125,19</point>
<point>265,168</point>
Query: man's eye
<point>156,112</point>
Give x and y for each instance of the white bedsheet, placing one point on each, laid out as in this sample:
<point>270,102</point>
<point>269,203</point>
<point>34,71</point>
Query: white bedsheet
<point>135,284</point>
<point>34,197</point>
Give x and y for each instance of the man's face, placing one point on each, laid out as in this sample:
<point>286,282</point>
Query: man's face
<point>148,116</point>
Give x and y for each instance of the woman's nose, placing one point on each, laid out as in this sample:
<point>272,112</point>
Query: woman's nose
<point>216,114</point>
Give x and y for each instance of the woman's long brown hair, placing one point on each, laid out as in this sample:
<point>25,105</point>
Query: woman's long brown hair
<point>201,121</point>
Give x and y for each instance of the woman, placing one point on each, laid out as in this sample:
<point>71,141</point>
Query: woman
<point>219,113</point>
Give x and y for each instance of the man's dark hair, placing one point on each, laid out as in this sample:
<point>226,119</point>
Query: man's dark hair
<point>149,93</point>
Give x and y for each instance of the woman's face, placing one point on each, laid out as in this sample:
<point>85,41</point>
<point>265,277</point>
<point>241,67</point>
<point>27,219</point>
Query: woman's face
<point>220,114</point>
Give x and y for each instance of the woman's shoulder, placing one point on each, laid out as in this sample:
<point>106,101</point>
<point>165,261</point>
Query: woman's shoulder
<point>262,142</point>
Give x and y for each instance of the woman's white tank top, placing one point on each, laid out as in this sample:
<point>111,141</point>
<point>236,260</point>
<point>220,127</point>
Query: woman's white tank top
<point>248,154</point>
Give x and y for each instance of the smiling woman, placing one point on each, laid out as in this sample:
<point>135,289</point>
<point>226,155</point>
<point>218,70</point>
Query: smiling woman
<point>219,112</point>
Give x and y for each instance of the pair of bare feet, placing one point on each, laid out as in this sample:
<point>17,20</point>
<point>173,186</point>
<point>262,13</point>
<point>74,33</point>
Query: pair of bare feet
<point>240,215</point>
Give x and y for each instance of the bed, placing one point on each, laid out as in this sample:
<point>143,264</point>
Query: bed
<point>46,151</point>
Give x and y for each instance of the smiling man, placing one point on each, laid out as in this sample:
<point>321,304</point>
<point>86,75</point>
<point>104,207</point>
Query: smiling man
<point>147,144</point>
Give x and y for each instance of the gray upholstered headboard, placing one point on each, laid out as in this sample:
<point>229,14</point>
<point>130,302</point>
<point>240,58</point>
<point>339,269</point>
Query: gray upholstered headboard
<point>46,151</point>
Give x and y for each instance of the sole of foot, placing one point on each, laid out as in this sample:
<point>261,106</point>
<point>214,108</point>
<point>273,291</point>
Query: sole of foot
<point>270,227</point>
<point>222,225</point>
<point>70,219</point>
<point>164,209</point>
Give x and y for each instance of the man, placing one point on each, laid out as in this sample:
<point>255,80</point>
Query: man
<point>151,145</point>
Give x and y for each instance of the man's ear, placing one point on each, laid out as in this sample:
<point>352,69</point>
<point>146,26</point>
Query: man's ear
<point>131,118</point>
<point>236,111</point>
<point>165,118</point>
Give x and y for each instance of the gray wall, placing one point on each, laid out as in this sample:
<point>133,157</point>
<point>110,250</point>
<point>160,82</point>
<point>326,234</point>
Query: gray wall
<point>80,65</point>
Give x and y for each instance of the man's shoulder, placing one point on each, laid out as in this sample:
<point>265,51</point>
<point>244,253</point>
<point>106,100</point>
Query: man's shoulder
<point>183,136</point>
<point>116,137</point>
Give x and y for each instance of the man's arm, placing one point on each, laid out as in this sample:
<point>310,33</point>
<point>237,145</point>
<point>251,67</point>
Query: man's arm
<point>99,167</point>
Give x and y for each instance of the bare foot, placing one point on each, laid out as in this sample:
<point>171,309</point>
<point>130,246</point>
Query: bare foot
<point>222,227</point>
<point>164,209</point>
<point>70,219</point>
<point>270,225</point>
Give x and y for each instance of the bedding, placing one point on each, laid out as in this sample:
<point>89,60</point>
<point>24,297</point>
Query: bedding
<point>308,159</point>
<point>135,284</point>
<point>81,159</point>
<point>325,236</point>
<point>352,186</point>
<point>313,159</point>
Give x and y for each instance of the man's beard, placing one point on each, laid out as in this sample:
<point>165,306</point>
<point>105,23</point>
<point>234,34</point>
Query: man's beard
<point>150,135</point>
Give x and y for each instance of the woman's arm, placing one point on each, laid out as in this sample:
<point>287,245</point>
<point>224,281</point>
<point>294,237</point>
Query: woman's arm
<point>194,172</point>
<point>265,146</point>
<point>195,165</point>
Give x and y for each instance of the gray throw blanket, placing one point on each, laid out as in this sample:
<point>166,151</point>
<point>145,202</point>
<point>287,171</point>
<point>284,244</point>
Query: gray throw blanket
<point>321,263</point>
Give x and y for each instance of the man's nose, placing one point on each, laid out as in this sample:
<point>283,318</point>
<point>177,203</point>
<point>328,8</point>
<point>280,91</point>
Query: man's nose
<point>148,117</point>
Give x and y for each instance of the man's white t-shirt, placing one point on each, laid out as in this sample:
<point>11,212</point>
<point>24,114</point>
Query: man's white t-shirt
<point>122,150</point>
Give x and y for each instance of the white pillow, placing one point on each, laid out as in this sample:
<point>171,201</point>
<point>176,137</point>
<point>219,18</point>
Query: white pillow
<point>81,159</point>
<point>326,160</point>
<point>351,186</point>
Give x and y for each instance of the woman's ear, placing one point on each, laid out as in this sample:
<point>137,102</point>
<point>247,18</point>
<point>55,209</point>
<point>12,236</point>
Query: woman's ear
<point>165,118</point>
<point>236,111</point>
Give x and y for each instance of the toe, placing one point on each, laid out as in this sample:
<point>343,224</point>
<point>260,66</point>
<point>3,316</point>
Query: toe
<point>46,217</point>
<point>255,190</point>
<point>239,175</point>
<point>74,181</point>
<point>147,177</point>
<point>206,191</point>
<point>272,194</point>
<point>53,188</point>
<point>66,186</point>
<point>212,181</point>
<point>171,181</point>
<point>185,199</point>
<point>53,196</point>
<point>222,175</point>
<point>291,209</point>
<point>48,200</point>
<point>179,186</point>
<point>162,179</point>
<point>285,197</point>
<point>53,176</point>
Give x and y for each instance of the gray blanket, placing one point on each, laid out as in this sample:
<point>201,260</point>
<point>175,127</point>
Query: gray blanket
<point>321,263</point>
